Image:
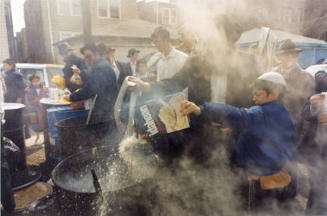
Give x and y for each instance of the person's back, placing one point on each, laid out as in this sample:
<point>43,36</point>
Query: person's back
<point>14,83</point>
<point>269,135</point>
<point>104,81</point>
<point>100,85</point>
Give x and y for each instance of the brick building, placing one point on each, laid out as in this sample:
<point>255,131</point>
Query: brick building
<point>4,51</point>
<point>7,42</point>
<point>315,19</point>
<point>162,13</point>
<point>286,15</point>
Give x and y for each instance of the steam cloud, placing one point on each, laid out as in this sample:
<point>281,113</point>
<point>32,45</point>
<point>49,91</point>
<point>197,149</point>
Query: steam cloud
<point>189,188</point>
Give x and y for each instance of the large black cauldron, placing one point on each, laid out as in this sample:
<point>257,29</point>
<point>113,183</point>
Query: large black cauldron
<point>14,129</point>
<point>118,193</point>
<point>75,135</point>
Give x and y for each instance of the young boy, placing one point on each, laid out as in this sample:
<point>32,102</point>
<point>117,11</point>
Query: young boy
<point>34,94</point>
<point>266,140</point>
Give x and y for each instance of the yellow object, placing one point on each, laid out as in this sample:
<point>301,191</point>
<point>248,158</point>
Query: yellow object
<point>59,81</point>
<point>278,180</point>
<point>64,101</point>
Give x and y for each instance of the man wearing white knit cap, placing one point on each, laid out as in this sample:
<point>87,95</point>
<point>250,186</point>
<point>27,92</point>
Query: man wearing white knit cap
<point>265,143</point>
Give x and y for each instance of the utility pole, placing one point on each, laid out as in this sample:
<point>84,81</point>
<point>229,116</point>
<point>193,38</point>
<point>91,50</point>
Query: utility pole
<point>87,27</point>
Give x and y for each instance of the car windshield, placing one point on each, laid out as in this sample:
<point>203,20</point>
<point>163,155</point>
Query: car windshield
<point>53,71</point>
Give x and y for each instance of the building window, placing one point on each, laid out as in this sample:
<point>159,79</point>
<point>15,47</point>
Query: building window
<point>69,7</point>
<point>63,7</point>
<point>66,34</point>
<point>165,16</point>
<point>76,7</point>
<point>173,16</point>
<point>168,16</point>
<point>114,8</point>
<point>262,13</point>
<point>300,15</point>
<point>287,15</point>
<point>108,8</point>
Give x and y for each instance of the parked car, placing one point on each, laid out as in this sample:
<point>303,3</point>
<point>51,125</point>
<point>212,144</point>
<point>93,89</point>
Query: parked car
<point>313,69</point>
<point>45,71</point>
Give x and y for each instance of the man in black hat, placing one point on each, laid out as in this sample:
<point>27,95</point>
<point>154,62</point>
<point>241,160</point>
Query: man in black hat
<point>14,83</point>
<point>73,64</point>
<point>300,83</point>
<point>101,83</point>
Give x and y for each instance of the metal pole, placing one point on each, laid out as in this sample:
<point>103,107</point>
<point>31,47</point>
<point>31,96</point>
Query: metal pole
<point>87,27</point>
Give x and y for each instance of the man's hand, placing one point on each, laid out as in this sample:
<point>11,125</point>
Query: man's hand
<point>144,85</point>
<point>76,70</point>
<point>188,107</point>
<point>317,101</point>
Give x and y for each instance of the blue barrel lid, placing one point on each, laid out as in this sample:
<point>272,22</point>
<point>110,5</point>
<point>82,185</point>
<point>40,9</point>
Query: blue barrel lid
<point>59,108</point>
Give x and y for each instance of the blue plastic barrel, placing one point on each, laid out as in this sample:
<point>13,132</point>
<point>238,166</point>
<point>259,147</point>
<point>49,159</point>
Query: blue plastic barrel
<point>56,114</point>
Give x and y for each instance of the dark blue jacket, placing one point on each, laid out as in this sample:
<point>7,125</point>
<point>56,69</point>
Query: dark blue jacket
<point>15,86</point>
<point>101,82</point>
<point>267,134</point>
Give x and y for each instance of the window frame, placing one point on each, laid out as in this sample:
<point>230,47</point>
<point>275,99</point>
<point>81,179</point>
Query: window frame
<point>287,15</point>
<point>108,10</point>
<point>169,9</point>
<point>300,16</point>
<point>73,34</point>
<point>170,16</point>
<point>70,6</point>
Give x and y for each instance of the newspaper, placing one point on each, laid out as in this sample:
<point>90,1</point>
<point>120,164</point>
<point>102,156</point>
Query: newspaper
<point>161,116</point>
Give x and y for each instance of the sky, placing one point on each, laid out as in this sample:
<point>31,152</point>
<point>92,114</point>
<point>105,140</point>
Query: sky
<point>17,7</point>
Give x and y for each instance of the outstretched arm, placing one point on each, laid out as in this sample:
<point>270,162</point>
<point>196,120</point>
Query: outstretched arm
<point>239,118</point>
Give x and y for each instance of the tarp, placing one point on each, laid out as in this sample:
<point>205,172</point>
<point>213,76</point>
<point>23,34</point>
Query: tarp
<point>314,50</point>
<point>254,35</point>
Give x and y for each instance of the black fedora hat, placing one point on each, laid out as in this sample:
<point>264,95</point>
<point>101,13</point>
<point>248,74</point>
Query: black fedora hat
<point>64,47</point>
<point>288,46</point>
<point>89,46</point>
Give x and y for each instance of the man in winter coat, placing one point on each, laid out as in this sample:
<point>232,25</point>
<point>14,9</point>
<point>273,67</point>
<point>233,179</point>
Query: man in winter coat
<point>14,83</point>
<point>101,82</point>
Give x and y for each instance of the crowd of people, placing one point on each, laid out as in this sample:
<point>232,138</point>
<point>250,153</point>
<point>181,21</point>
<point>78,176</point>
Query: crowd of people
<point>271,120</point>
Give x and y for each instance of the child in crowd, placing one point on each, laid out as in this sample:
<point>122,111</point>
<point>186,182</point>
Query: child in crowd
<point>265,144</point>
<point>34,94</point>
